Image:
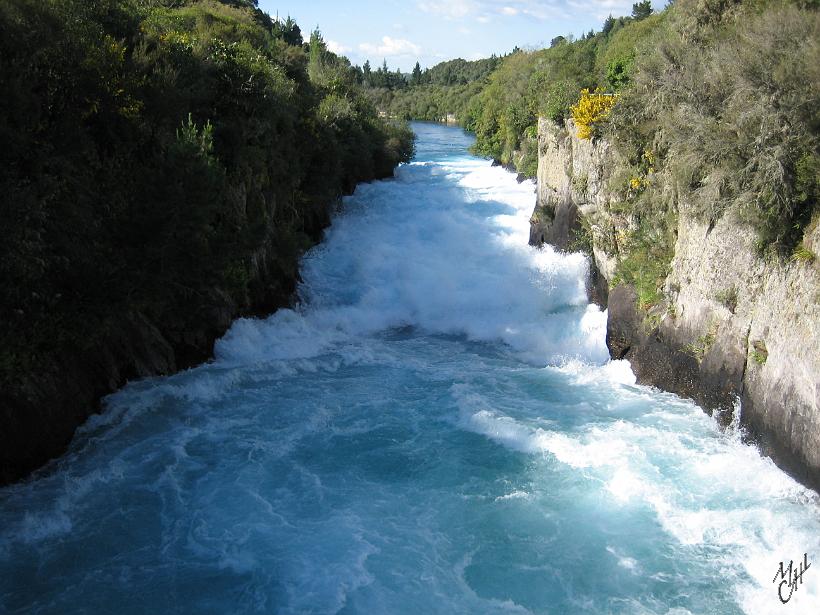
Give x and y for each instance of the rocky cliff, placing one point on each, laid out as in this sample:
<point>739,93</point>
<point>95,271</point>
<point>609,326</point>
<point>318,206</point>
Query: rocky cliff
<point>728,327</point>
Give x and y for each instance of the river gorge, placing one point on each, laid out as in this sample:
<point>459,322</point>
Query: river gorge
<point>436,427</point>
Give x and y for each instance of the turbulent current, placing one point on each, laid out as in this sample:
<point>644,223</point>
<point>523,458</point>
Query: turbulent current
<point>436,428</point>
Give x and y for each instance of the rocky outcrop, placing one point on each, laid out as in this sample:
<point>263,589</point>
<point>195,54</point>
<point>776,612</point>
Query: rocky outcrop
<point>731,326</point>
<point>573,205</point>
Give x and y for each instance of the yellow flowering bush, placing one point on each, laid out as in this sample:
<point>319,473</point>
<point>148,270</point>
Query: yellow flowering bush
<point>644,172</point>
<point>592,107</point>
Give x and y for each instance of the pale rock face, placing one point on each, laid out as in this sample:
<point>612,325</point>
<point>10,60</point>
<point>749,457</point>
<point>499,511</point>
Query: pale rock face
<point>755,323</point>
<point>573,177</point>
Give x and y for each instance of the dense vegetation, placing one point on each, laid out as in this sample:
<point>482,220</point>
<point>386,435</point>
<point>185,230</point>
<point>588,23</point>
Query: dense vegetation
<point>152,151</point>
<point>430,94</point>
<point>728,101</point>
<point>721,118</point>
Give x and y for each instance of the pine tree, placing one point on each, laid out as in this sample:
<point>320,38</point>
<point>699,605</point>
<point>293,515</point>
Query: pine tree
<point>642,10</point>
<point>366,73</point>
<point>415,78</point>
<point>288,31</point>
<point>316,54</point>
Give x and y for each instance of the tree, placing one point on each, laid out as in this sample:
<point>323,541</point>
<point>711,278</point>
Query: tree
<point>642,10</point>
<point>609,23</point>
<point>366,72</point>
<point>557,41</point>
<point>415,77</point>
<point>288,31</point>
<point>317,46</point>
<point>618,71</point>
<point>398,80</point>
<point>316,52</point>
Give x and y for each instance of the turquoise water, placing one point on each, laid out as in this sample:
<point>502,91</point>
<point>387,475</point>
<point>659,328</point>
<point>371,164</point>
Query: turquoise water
<point>436,429</point>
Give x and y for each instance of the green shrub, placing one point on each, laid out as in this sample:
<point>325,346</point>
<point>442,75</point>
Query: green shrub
<point>645,261</point>
<point>703,344</point>
<point>728,297</point>
<point>803,254</point>
<point>759,352</point>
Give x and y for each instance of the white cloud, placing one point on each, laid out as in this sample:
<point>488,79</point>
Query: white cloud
<point>482,9</point>
<point>452,9</point>
<point>602,8</point>
<point>391,47</point>
<point>337,48</point>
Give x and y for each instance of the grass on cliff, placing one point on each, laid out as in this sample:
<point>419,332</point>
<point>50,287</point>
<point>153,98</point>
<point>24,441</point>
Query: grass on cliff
<point>645,263</point>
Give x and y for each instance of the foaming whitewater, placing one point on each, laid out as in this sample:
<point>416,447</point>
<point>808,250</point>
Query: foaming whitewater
<point>435,429</point>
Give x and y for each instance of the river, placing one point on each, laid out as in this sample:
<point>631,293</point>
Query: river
<point>436,428</point>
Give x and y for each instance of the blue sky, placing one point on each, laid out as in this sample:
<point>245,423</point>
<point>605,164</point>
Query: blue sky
<point>430,31</point>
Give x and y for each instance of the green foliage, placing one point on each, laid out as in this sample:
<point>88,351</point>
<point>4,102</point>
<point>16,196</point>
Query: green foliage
<point>548,83</point>
<point>288,31</point>
<point>556,99</point>
<point>703,344</point>
<point>616,61</point>
<point>501,113</point>
<point>198,142</point>
<point>582,240</point>
<point>460,72</point>
<point>759,352</point>
<point>580,185</point>
<point>729,98</point>
<point>802,254</point>
<point>425,102</point>
<point>641,10</point>
<point>807,181</point>
<point>382,78</point>
<point>618,71</point>
<point>150,150</point>
<point>416,76</point>
<point>646,255</point>
<point>432,94</point>
<point>728,297</point>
